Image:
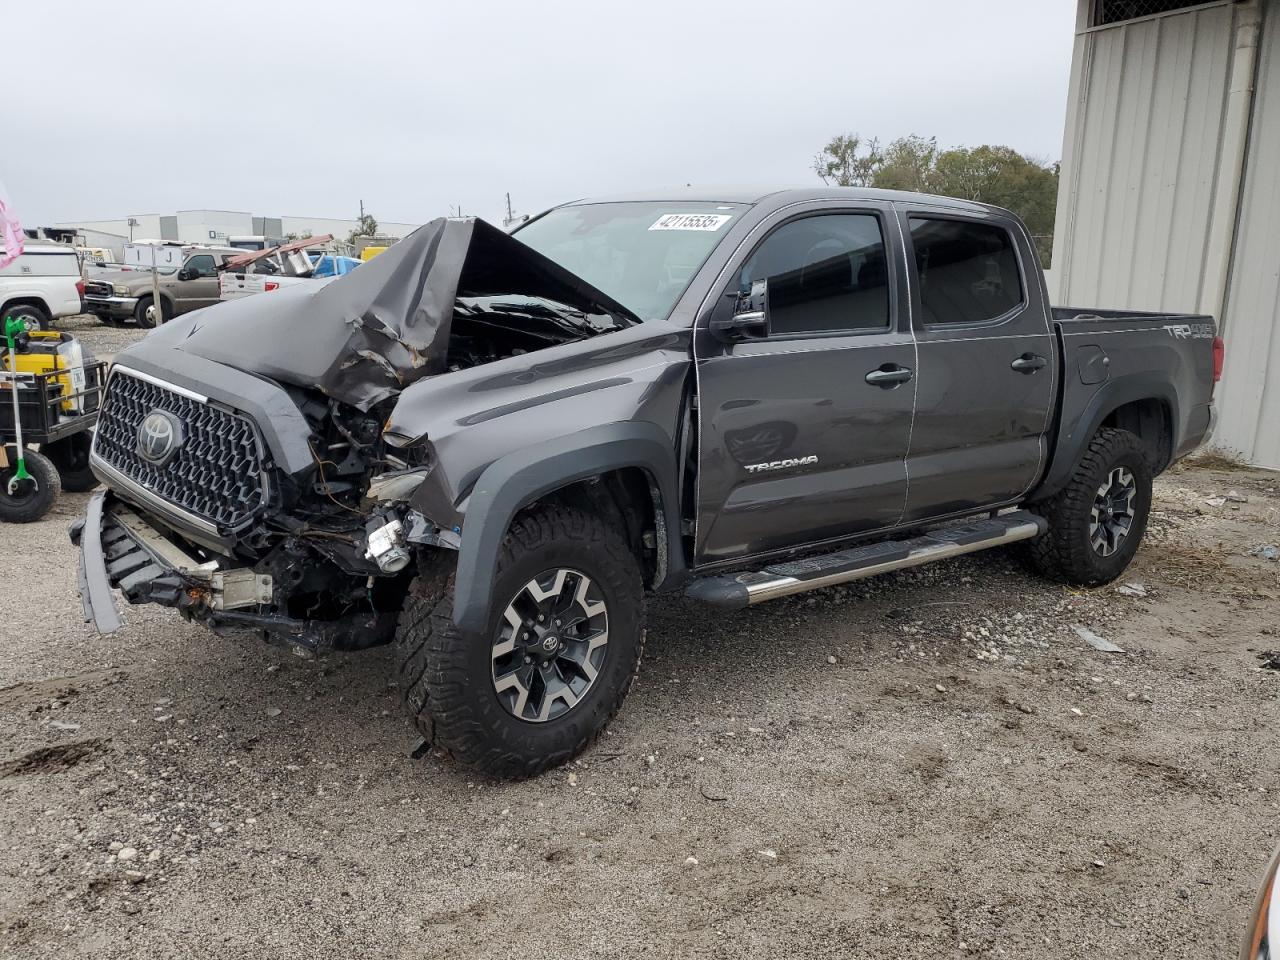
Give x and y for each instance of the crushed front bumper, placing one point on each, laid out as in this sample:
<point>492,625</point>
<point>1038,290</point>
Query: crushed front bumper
<point>120,550</point>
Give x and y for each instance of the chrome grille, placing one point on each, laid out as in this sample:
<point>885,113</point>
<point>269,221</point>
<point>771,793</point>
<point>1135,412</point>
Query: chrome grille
<point>97,288</point>
<point>216,474</point>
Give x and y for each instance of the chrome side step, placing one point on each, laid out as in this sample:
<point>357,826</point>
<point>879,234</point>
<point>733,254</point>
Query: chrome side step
<point>735,591</point>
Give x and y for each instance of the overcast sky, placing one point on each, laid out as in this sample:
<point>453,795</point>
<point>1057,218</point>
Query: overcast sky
<point>304,109</point>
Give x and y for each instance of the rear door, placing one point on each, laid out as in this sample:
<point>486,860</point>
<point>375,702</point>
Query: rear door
<point>986,374</point>
<point>795,445</point>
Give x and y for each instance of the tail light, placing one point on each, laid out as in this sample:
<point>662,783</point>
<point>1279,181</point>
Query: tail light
<point>80,286</point>
<point>1219,355</point>
<point>269,286</point>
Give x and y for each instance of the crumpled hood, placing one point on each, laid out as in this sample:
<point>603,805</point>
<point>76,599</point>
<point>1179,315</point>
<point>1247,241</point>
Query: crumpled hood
<point>365,336</point>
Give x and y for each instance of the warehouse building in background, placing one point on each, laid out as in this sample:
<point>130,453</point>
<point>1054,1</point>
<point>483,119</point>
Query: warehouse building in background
<point>216,227</point>
<point>1170,190</point>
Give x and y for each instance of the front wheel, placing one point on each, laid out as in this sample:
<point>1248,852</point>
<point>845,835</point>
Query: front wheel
<point>144,314</point>
<point>1097,522</point>
<point>29,315</point>
<point>563,645</point>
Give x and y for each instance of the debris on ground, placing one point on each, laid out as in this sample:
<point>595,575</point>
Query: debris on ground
<point>1270,659</point>
<point>1215,501</point>
<point>1268,551</point>
<point>1132,589</point>
<point>1095,641</point>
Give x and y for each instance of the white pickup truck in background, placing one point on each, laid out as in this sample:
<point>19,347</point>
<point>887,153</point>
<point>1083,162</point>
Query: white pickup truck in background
<point>233,286</point>
<point>44,283</point>
<point>262,271</point>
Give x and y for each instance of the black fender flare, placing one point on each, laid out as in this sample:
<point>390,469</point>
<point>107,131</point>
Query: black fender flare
<point>1074,438</point>
<point>517,479</point>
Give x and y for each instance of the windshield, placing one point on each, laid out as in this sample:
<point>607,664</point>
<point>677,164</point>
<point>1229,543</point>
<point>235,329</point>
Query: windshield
<point>641,254</point>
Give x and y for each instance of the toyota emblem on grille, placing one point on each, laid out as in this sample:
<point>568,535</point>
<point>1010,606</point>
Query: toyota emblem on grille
<point>159,437</point>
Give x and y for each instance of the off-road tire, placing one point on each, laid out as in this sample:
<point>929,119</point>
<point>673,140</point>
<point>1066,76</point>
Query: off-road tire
<point>140,312</point>
<point>32,316</point>
<point>33,505</point>
<point>446,679</point>
<point>1065,553</point>
<point>71,457</point>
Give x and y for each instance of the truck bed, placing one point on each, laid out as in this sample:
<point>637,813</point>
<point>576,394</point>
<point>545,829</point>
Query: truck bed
<point>1157,369</point>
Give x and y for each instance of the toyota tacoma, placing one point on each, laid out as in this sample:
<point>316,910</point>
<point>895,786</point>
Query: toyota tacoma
<point>488,449</point>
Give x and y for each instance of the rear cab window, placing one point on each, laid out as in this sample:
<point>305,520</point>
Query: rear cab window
<point>967,271</point>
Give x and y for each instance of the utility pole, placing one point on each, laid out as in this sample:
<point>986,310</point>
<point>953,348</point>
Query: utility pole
<point>362,210</point>
<point>509,214</point>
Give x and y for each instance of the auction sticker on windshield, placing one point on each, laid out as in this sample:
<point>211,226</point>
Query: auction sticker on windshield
<point>691,221</point>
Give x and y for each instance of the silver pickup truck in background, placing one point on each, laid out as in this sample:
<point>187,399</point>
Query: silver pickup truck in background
<point>126,296</point>
<point>487,448</point>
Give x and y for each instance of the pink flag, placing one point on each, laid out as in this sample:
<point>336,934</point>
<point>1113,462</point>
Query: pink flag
<point>10,231</point>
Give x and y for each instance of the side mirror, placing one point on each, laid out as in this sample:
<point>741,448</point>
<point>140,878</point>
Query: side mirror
<point>186,273</point>
<point>750,320</point>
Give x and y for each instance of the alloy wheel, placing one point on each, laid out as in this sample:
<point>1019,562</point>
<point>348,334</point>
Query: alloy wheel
<point>1113,513</point>
<point>551,644</point>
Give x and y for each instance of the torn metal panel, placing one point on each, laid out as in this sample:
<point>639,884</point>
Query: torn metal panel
<point>363,337</point>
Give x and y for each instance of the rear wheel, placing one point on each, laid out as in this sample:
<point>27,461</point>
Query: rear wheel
<point>563,645</point>
<point>32,317</point>
<point>1097,522</point>
<point>27,499</point>
<point>70,456</point>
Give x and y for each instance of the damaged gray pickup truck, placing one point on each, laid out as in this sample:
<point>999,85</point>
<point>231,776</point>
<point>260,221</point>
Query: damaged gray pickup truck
<point>487,449</point>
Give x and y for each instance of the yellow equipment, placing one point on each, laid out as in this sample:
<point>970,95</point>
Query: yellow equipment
<point>50,389</point>
<point>60,357</point>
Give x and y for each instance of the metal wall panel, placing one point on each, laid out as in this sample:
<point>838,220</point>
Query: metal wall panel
<point>1144,141</point>
<point>1249,395</point>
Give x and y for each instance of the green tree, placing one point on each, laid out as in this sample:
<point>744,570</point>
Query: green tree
<point>990,174</point>
<point>908,164</point>
<point>366,226</point>
<point>848,161</point>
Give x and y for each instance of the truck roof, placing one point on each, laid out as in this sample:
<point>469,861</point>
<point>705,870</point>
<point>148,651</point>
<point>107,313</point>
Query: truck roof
<point>779,197</point>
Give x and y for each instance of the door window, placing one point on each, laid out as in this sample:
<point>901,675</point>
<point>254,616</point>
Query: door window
<point>202,266</point>
<point>968,271</point>
<point>826,274</point>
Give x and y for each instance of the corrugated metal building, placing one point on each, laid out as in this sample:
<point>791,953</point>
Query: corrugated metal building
<point>1170,189</point>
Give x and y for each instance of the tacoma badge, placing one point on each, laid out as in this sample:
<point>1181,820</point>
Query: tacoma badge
<point>781,464</point>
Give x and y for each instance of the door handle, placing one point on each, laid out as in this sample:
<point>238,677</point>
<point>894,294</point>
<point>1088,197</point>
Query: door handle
<point>889,376</point>
<point>1029,363</point>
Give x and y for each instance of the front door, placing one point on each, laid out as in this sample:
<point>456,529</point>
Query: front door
<point>986,362</point>
<point>200,289</point>
<point>796,444</point>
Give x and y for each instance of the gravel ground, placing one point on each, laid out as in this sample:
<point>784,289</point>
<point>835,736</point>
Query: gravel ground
<point>928,764</point>
<point>104,341</point>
